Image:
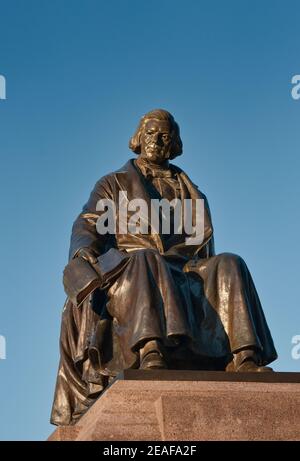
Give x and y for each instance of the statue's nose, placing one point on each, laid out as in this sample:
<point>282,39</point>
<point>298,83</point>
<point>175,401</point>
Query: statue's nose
<point>157,138</point>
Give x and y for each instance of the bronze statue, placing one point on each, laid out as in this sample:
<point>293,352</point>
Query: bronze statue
<point>158,301</point>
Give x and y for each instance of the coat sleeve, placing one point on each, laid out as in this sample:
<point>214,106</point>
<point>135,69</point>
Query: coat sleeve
<point>84,232</point>
<point>209,249</point>
<point>211,244</point>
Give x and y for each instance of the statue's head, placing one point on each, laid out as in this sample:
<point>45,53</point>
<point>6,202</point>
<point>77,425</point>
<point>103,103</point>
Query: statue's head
<point>157,137</point>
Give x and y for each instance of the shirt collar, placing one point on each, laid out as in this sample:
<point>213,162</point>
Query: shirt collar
<point>154,171</point>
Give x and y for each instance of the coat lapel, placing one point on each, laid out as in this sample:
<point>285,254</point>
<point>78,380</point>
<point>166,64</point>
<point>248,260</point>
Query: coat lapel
<point>130,180</point>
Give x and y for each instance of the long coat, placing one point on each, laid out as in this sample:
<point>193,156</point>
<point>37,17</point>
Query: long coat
<point>166,289</point>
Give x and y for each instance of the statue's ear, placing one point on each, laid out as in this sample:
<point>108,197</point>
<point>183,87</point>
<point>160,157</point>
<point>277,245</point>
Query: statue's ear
<point>176,147</point>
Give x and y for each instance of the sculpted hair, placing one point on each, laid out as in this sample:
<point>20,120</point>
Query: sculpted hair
<point>158,114</point>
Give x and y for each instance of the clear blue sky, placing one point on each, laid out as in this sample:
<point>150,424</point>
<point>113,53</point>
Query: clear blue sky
<point>79,75</point>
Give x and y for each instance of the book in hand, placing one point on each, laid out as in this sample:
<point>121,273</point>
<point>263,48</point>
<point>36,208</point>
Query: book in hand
<point>109,265</point>
<point>81,278</point>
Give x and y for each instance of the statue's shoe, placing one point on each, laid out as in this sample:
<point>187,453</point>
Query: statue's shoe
<point>153,361</point>
<point>250,366</point>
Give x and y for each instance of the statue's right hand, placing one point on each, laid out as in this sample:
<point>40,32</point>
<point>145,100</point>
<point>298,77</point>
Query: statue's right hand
<point>87,254</point>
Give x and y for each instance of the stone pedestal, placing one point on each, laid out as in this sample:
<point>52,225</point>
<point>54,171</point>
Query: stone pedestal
<point>166,405</point>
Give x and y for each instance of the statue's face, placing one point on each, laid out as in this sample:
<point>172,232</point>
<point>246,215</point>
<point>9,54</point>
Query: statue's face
<point>156,141</point>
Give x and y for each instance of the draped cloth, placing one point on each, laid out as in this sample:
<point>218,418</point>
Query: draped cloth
<point>203,307</point>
